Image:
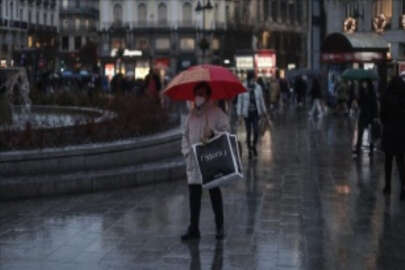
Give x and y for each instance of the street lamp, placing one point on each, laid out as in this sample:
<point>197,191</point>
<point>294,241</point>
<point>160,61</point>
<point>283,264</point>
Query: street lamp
<point>204,44</point>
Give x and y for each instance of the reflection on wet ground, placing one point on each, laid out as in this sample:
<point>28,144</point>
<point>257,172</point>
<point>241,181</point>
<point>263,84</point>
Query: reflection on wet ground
<point>305,204</point>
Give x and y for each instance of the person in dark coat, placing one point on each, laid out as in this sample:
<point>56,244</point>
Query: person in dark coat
<point>368,112</point>
<point>301,89</point>
<point>393,137</point>
<point>316,94</point>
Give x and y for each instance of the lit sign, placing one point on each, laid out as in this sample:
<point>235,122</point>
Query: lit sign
<point>244,62</point>
<point>129,53</point>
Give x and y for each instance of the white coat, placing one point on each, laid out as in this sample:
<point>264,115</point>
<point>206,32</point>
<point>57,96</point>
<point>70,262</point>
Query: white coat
<point>194,127</point>
<point>242,107</point>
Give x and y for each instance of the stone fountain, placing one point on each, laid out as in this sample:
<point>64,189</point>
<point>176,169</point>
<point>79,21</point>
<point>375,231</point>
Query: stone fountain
<point>14,89</point>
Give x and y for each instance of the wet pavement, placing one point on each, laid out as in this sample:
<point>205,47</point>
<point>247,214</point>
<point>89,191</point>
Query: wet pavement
<point>305,204</point>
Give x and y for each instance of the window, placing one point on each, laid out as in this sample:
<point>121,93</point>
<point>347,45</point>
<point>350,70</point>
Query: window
<point>403,6</point>
<point>215,44</point>
<point>37,18</point>
<point>52,19</point>
<point>6,4</point>
<point>117,13</point>
<point>274,10</point>
<point>45,18</point>
<point>142,44</point>
<point>187,13</point>
<point>29,16</point>
<point>187,44</point>
<point>78,43</point>
<point>142,13</point>
<point>283,11</point>
<point>77,24</point>
<point>162,13</point>
<point>12,10</point>
<point>383,7</point>
<point>21,14</point>
<point>1,8</point>
<point>162,44</point>
<point>300,11</point>
<point>291,11</point>
<point>65,43</point>
<point>77,3</point>
<point>65,4</point>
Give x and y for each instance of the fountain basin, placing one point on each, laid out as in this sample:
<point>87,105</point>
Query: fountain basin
<point>55,117</point>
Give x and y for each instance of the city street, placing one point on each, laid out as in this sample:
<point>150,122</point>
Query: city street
<point>304,204</point>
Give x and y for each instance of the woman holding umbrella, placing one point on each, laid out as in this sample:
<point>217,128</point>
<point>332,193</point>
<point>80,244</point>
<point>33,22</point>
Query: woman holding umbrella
<point>202,85</point>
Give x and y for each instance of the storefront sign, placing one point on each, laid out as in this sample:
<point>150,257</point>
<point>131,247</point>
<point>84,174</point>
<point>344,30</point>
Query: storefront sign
<point>244,62</point>
<point>265,62</point>
<point>352,57</point>
<point>128,53</point>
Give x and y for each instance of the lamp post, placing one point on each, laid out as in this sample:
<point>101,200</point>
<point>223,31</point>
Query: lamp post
<point>204,44</point>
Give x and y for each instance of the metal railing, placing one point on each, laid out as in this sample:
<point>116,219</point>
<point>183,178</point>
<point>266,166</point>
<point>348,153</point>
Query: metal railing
<point>172,24</point>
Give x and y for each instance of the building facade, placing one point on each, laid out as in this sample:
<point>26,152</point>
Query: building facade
<point>275,27</point>
<point>169,35</point>
<point>78,27</point>
<point>26,24</point>
<point>386,18</point>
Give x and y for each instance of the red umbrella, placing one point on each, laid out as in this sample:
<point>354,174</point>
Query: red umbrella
<point>223,83</point>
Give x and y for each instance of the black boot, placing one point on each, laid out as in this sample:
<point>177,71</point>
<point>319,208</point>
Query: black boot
<point>190,234</point>
<point>218,208</point>
<point>195,193</point>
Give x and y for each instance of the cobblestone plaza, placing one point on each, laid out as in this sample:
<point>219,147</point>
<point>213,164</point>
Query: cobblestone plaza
<point>304,204</point>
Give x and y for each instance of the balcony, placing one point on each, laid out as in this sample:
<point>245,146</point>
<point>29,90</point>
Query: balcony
<point>81,28</point>
<point>87,11</point>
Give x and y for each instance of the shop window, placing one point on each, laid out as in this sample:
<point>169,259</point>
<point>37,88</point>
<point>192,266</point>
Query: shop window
<point>162,13</point>
<point>215,44</point>
<point>78,43</point>
<point>187,13</point>
<point>142,44</point>
<point>383,7</point>
<point>162,44</point>
<point>65,43</point>
<point>142,14</point>
<point>187,44</point>
<point>274,10</point>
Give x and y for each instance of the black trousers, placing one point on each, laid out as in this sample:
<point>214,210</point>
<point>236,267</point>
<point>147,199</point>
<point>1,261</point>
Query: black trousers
<point>361,127</point>
<point>195,194</point>
<point>389,158</point>
<point>252,128</point>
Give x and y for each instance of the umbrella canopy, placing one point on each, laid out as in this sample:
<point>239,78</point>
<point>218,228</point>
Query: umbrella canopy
<point>223,83</point>
<point>359,74</point>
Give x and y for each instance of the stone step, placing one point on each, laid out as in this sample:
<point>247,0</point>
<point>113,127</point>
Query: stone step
<point>92,181</point>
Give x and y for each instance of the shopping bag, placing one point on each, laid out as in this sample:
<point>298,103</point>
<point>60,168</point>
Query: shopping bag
<point>218,160</point>
<point>235,144</point>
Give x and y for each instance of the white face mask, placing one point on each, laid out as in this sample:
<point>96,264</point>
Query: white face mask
<point>199,101</point>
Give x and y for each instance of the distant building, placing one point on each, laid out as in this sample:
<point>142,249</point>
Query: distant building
<point>78,28</point>
<point>265,28</point>
<point>365,34</point>
<point>166,35</point>
<point>27,25</point>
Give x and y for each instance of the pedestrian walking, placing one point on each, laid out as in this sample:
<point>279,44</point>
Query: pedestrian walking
<point>393,138</point>
<point>316,94</point>
<point>251,107</point>
<point>367,102</point>
<point>300,89</point>
<point>204,120</point>
<point>275,93</point>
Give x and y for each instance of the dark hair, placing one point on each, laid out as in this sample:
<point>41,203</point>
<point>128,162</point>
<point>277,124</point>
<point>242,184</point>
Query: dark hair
<point>204,85</point>
<point>250,75</point>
